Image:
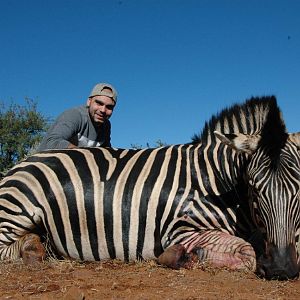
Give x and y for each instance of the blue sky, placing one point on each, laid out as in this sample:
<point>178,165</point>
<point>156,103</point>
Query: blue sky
<point>175,63</point>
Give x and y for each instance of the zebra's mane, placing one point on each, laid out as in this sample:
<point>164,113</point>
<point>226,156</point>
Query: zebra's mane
<point>256,115</point>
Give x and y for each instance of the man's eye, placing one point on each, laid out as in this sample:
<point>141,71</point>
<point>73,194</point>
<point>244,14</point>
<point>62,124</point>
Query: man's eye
<point>110,107</point>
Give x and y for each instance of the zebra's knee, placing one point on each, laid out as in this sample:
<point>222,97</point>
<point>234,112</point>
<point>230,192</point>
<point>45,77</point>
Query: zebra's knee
<point>32,250</point>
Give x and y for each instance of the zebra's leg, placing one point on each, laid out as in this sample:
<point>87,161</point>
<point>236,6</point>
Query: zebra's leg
<point>216,248</point>
<point>28,247</point>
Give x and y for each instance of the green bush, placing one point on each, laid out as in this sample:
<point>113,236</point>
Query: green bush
<point>21,129</point>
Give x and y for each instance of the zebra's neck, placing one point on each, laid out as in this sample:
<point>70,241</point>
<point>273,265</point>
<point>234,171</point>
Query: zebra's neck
<point>219,177</point>
<point>218,169</point>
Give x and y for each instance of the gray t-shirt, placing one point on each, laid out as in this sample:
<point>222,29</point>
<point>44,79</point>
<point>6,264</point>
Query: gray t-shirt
<point>75,126</point>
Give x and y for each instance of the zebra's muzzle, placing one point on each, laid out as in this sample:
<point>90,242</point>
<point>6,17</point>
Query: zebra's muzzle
<point>278,263</point>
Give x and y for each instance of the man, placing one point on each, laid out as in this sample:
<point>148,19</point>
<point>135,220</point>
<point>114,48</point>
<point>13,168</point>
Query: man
<point>86,125</point>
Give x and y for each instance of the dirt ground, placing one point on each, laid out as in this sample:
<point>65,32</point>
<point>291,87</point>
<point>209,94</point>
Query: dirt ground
<point>55,279</point>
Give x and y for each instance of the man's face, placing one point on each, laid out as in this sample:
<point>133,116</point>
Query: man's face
<point>100,108</point>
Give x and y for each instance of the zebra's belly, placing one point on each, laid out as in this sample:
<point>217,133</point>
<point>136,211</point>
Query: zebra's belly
<point>95,247</point>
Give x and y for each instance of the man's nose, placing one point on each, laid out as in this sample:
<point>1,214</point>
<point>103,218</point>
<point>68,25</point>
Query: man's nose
<point>102,108</point>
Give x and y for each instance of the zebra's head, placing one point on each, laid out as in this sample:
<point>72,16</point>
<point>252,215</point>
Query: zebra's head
<point>269,159</point>
<point>273,179</point>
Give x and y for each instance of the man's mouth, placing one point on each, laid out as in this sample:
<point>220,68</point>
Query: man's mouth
<point>99,116</point>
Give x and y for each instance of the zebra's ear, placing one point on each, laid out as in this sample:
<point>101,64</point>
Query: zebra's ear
<point>239,141</point>
<point>295,138</point>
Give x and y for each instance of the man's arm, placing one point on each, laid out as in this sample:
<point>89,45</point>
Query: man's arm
<point>62,131</point>
<point>72,146</point>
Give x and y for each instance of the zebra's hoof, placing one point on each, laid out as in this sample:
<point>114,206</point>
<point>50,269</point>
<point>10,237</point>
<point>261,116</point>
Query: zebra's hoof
<point>32,250</point>
<point>173,257</point>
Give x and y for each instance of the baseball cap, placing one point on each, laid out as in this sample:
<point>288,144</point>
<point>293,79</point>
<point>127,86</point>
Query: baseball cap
<point>100,89</point>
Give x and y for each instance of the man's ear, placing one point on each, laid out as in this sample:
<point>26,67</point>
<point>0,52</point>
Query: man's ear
<point>241,142</point>
<point>88,102</point>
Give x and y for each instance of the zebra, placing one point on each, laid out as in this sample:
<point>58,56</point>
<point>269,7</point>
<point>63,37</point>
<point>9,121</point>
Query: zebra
<point>229,198</point>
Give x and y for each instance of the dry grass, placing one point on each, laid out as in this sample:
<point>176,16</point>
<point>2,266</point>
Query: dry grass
<point>137,280</point>
<point>114,279</point>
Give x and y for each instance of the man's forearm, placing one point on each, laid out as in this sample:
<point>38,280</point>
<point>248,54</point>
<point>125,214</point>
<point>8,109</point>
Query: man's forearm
<point>71,146</point>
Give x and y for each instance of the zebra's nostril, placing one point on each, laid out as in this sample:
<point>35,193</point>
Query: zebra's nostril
<point>281,275</point>
<point>268,272</point>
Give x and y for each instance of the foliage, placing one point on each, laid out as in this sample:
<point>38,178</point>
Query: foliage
<point>21,129</point>
<point>158,143</point>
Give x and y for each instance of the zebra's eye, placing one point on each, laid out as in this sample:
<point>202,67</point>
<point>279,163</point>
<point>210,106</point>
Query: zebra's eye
<point>260,222</point>
<point>256,217</point>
